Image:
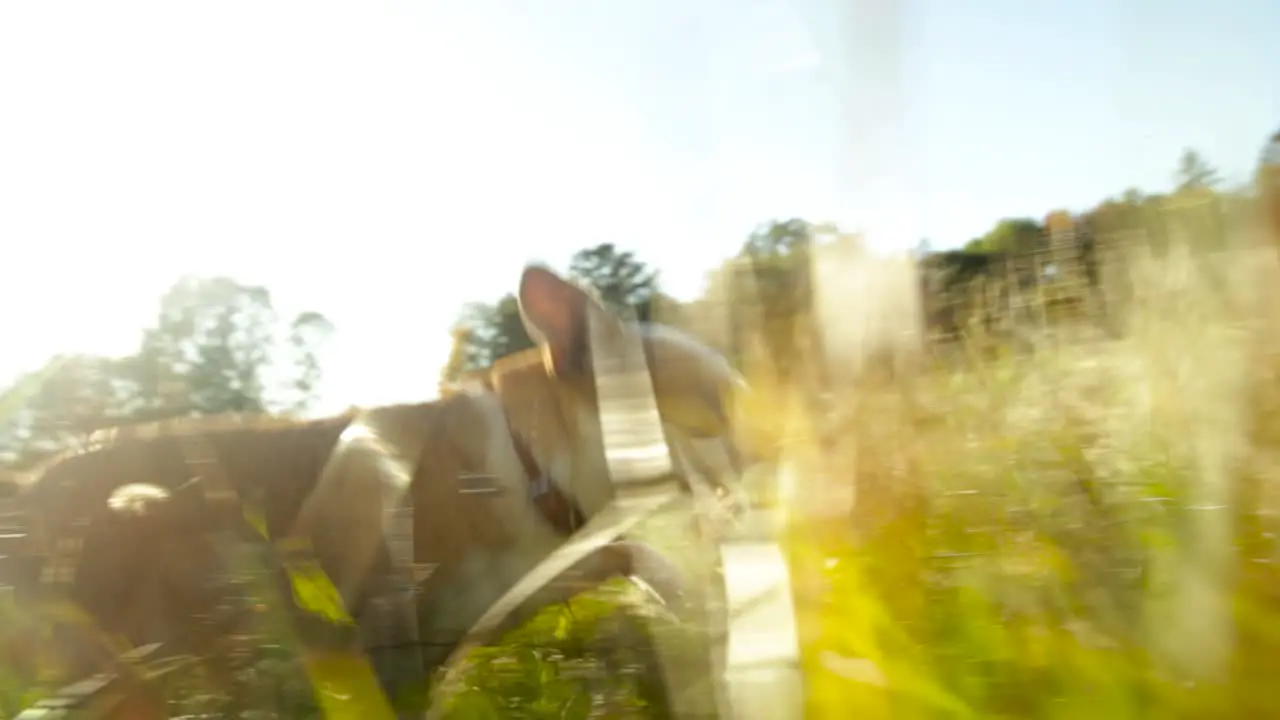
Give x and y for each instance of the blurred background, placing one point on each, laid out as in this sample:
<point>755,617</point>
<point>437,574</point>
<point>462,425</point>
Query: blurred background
<point>1000,274</point>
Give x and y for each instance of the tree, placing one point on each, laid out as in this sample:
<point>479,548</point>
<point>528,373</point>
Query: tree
<point>58,406</point>
<point>1267,183</point>
<point>1010,235</point>
<point>84,394</point>
<point>778,238</point>
<point>216,346</point>
<point>1194,173</point>
<point>1128,212</point>
<point>207,352</point>
<point>486,332</point>
<point>1197,213</point>
<point>307,332</point>
<point>623,282</point>
<point>767,289</point>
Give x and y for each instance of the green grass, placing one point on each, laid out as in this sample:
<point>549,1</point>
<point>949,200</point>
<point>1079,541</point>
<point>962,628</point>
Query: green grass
<point>1084,529</point>
<point>573,661</point>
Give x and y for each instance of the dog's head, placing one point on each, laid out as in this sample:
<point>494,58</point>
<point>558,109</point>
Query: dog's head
<point>554,403</point>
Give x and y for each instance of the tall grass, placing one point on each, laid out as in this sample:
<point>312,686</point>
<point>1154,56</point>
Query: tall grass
<point>1083,527</point>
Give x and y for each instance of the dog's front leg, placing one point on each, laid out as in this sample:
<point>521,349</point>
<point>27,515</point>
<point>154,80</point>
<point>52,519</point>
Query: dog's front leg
<point>453,604</point>
<point>459,591</point>
<point>454,599</point>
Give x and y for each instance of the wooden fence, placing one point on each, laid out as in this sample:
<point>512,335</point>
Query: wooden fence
<point>1058,278</point>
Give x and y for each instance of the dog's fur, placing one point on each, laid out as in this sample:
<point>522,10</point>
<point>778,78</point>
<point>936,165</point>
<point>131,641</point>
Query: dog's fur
<point>333,480</point>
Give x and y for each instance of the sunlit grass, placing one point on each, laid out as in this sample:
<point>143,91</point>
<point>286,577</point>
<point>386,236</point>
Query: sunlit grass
<point>582,659</point>
<point>1062,532</point>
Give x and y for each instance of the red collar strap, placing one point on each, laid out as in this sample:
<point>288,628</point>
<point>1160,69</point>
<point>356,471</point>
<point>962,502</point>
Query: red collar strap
<point>558,509</point>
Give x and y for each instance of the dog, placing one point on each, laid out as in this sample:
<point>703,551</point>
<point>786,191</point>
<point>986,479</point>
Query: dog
<point>496,475</point>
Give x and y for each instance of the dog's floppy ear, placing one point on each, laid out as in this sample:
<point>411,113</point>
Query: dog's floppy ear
<point>555,314</point>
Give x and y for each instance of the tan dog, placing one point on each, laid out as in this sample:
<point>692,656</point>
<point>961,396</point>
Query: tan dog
<point>535,418</point>
<point>497,474</point>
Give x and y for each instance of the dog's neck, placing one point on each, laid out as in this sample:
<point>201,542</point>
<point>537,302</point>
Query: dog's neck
<point>547,433</point>
<point>400,423</point>
<point>556,507</point>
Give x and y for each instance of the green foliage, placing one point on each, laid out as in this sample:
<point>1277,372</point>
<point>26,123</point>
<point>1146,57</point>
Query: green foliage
<point>566,662</point>
<point>486,332</point>
<point>624,282</point>
<point>1008,236</point>
<point>763,292</point>
<point>216,346</point>
<point>213,347</point>
<point>1194,173</point>
<point>778,238</point>
<point>1035,583</point>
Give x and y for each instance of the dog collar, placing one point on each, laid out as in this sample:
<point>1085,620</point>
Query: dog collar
<point>555,507</point>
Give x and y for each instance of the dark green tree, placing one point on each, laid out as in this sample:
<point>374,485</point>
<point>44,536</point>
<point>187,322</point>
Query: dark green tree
<point>779,238</point>
<point>1010,235</point>
<point>623,281</point>
<point>486,332</point>
<point>766,289</point>
<point>1194,173</point>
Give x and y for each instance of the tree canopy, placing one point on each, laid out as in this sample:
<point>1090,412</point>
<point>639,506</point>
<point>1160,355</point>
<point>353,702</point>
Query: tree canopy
<point>485,332</point>
<point>216,345</point>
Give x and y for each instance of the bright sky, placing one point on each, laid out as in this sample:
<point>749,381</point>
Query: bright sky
<point>385,162</point>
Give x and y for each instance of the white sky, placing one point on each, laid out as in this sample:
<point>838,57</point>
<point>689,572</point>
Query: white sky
<point>385,162</point>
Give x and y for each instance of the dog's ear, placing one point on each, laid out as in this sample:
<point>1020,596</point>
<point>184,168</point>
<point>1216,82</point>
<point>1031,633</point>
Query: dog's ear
<point>555,314</point>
